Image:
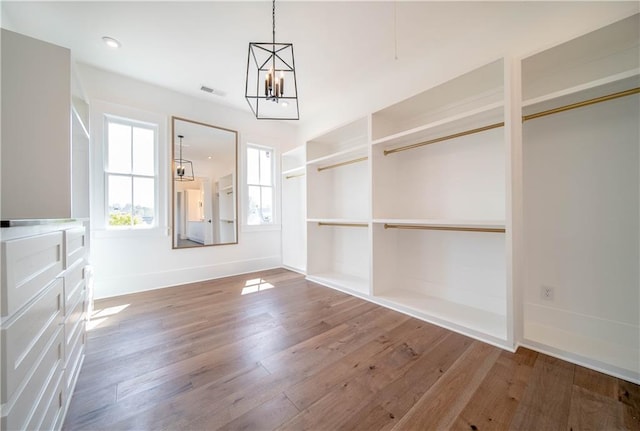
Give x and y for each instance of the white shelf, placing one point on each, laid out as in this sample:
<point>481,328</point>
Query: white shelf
<point>461,318</point>
<point>338,220</point>
<point>582,93</point>
<point>483,224</point>
<point>598,56</point>
<point>479,117</point>
<point>340,156</point>
<point>617,78</point>
<point>340,281</point>
<point>296,170</point>
<point>345,137</point>
<point>466,93</point>
<point>294,159</point>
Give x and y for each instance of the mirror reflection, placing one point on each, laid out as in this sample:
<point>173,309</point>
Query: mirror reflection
<point>204,198</point>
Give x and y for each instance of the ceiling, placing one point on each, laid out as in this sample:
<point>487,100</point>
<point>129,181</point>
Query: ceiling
<point>352,57</point>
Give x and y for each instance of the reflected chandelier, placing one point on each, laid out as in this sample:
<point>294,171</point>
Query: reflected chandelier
<point>184,168</point>
<point>270,66</point>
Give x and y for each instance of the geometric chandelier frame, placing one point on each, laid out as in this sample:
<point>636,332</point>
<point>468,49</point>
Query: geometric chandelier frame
<point>182,168</point>
<point>271,88</point>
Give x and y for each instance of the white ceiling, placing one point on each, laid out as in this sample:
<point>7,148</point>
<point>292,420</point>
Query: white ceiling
<point>345,52</point>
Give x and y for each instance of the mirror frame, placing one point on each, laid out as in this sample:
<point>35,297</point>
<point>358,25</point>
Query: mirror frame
<point>173,183</point>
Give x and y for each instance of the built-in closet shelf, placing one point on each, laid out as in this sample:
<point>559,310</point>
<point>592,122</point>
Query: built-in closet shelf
<point>340,221</point>
<point>344,282</point>
<point>477,323</point>
<point>479,117</point>
<point>340,157</point>
<point>294,159</point>
<point>619,78</point>
<point>294,172</point>
<point>442,223</point>
<point>342,138</point>
<point>608,87</point>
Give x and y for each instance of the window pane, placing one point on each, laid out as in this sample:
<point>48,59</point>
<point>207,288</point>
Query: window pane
<point>143,201</point>
<point>143,160</point>
<point>119,200</point>
<point>265,167</point>
<point>267,205</point>
<point>119,148</point>
<point>253,166</point>
<point>254,216</point>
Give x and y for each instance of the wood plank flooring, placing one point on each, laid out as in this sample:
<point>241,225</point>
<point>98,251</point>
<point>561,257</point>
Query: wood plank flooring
<point>291,355</point>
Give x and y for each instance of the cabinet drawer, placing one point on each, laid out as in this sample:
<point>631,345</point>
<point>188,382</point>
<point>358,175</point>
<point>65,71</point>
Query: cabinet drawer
<point>51,407</point>
<point>74,328</point>
<point>74,355</point>
<point>26,335</point>
<point>74,286</point>
<point>28,266</point>
<point>25,407</point>
<point>74,245</point>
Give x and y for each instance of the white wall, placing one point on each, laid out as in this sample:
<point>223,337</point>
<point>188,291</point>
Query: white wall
<point>127,262</point>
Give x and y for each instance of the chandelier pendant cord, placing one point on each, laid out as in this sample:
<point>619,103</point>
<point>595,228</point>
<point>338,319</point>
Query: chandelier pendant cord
<point>273,40</point>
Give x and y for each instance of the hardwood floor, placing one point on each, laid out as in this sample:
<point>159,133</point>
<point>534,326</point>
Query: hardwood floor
<point>291,355</point>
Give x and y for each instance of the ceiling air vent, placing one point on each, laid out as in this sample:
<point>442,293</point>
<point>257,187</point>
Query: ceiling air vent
<point>206,89</point>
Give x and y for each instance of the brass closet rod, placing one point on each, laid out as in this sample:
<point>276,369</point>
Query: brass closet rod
<point>524,118</point>
<point>343,224</point>
<point>452,228</point>
<point>288,177</point>
<point>361,159</point>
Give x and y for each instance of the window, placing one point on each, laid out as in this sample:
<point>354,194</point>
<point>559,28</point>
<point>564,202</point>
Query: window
<point>260,167</point>
<point>130,173</point>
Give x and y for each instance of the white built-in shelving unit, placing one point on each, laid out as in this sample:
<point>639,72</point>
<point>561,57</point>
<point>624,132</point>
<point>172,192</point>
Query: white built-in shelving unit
<point>439,198</point>
<point>581,198</point>
<point>338,208</point>
<point>464,204</point>
<point>294,209</point>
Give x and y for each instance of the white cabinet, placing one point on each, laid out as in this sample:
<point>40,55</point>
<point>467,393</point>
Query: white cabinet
<point>36,129</point>
<point>581,194</point>
<point>42,327</point>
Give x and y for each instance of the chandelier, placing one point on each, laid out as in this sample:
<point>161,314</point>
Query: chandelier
<point>184,168</point>
<point>271,87</point>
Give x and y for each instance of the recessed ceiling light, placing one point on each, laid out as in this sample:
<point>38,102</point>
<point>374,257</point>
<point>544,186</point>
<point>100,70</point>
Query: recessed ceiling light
<point>111,42</point>
<point>210,157</point>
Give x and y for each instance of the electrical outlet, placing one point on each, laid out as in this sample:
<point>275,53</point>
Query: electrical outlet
<point>546,293</point>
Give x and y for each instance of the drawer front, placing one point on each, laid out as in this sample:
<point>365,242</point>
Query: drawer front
<point>74,245</point>
<point>26,336</point>
<point>51,407</point>
<point>74,323</point>
<point>74,286</point>
<point>28,266</point>
<point>25,407</point>
<point>75,353</point>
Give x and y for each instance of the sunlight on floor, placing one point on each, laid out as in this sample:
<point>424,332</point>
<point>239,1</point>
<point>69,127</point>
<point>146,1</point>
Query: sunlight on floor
<point>100,316</point>
<point>256,285</point>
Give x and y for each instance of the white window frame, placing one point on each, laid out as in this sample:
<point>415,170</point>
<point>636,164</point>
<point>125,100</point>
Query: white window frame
<point>107,173</point>
<point>275,223</point>
<point>100,114</point>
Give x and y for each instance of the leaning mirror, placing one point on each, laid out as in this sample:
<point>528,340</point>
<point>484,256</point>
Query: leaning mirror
<point>204,198</point>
